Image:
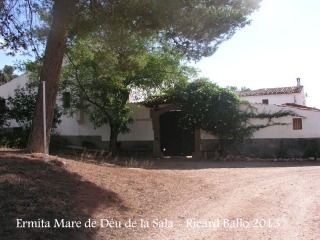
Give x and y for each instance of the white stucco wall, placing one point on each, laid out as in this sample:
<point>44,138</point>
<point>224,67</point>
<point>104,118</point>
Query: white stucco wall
<point>297,98</point>
<point>310,124</point>
<point>8,88</point>
<point>141,129</point>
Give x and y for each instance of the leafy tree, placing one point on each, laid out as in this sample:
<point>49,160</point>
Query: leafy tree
<point>236,89</point>
<point>7,74</point>
<point>20,107</point>
<point>3,113</point>
<point>101,85</point>
<point>232,88</point>
<point>213,109</point>
<point>195,29</point>
<point>244,89</point>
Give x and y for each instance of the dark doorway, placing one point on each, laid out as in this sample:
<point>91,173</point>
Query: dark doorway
<point>175,141</point>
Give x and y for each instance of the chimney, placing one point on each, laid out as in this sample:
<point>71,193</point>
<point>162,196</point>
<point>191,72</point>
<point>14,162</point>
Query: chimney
<point>298,82</point>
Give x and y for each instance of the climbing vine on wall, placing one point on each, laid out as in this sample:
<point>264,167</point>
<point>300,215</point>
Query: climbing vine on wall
<point>219,111</point>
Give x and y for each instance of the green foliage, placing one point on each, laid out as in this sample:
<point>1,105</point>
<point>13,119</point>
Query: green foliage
<point>3,113</point>
<point>22,104</point>
<point>7,74</point>
<point>20,21</point>
<point>219,111</point>
<point>236,89</point>
<point>3,118</point>
<point>20,107</point>
<point>195,28</point>
<point>101,76</point>
<point>213,109</point>
<point>245,89</point>
<point>16,138</point>
<point>191,28</point>
<point>96,90</point>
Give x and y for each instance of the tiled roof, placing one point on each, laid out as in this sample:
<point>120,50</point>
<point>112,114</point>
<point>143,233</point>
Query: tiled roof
<point>301,107</point>
<point>271,91</point>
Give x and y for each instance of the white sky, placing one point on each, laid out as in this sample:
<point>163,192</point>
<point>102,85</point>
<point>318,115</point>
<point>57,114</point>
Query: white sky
<point>281,44</point>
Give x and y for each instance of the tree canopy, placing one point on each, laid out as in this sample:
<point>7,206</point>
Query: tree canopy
<point>100,79</point>
<point>7,74</point>
<point>213,109</point>
<point>191,28</point>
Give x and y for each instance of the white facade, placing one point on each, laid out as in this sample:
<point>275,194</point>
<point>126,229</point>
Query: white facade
<point>297,98</point>
<point>143,130</point>
<point>80,125</point>
<point>310,123</point>
<point>8,88</point>
<point>281,95</point>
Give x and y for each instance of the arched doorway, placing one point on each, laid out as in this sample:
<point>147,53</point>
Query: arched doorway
<point>174,140</point>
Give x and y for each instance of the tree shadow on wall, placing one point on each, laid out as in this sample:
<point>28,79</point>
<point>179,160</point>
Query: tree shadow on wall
<point>32,190</point>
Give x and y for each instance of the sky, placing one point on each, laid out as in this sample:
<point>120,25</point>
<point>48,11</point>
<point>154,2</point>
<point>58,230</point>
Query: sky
<point>281,44</point>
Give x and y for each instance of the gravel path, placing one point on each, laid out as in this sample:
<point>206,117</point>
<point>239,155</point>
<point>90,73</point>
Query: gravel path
<point>269,202</point>
<point>176,199</point>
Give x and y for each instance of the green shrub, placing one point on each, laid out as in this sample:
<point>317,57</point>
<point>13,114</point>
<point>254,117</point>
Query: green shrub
<point>16,138</point>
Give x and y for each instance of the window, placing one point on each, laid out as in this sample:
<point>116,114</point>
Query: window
<point>66,99</point>
<point>297,123</point>
<point>265,101</point>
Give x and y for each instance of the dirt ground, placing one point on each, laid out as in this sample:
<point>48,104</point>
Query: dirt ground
<point>174,199</point>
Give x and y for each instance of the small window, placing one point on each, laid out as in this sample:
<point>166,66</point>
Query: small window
<point>66,99</point>
<point>265,101</point>
<point>297,123</point>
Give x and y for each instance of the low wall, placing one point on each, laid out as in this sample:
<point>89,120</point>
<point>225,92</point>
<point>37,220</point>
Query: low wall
<point>263,148</point>
<point>97,143</point>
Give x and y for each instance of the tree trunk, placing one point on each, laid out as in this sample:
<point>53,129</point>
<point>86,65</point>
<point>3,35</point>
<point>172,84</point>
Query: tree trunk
<point>52,63</point>
<point>113,148</point>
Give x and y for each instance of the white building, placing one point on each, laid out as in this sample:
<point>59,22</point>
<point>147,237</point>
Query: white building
<point>155,129</point>
<point>282,95</point>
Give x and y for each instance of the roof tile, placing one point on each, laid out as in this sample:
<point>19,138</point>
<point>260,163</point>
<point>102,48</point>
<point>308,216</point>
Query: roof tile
<point>271,91</point>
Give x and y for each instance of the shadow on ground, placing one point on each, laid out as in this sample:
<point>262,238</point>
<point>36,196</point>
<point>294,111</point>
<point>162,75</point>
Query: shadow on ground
<point>32,190</point>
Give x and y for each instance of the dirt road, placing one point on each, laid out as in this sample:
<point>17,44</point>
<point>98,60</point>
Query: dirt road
<point>176,199</point>
<point>255,201</point>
